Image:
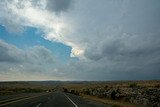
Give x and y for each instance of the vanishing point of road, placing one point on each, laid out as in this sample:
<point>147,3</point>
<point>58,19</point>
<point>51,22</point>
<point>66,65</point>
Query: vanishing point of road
<point>54,99</point>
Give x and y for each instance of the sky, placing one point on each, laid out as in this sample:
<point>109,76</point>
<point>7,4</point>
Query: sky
<point>82,40</point>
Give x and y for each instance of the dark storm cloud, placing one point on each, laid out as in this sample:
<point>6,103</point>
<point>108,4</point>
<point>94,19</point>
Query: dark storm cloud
<point>58,5</point>
<point>126,46</point>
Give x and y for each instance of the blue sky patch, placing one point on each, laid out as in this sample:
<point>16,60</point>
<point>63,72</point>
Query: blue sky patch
<point>32,37</point>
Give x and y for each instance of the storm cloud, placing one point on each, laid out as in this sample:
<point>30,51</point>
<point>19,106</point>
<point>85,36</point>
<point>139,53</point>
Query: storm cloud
<point>58,5</point>
<point>111,39</point>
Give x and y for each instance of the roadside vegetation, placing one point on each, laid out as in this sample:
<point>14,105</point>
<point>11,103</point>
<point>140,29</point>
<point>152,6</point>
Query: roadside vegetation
<point>8,91</point>
<point>8,88</point>
<point>122,93</point>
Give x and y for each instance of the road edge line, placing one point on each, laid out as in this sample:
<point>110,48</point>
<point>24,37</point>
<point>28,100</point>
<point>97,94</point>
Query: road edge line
<point>71,101</point>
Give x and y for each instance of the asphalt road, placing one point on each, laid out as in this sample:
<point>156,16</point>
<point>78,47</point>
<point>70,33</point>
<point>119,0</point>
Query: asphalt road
<point>56,99</point>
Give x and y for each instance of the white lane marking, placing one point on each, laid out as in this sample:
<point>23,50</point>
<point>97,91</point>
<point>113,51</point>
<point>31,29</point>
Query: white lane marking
<point>71,101</point>
<point>38,105</point>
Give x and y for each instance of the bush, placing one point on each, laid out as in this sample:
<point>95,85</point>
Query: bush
<point>87,91</point>
<point>113,95</point>
<point>65,90</point>
<point>106,87</point>
<point>73,91</point>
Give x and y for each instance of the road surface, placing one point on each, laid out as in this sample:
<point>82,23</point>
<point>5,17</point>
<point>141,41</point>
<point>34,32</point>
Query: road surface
<point>55,99</point>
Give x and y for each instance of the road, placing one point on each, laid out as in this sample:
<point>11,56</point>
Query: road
<point>55,99</point>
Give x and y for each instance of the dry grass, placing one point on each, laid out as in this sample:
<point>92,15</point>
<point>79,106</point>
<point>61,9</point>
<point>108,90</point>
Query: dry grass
<point>114,103</point>
<point>34,85</point>
<point>114,84</point>
<point>8,88</point>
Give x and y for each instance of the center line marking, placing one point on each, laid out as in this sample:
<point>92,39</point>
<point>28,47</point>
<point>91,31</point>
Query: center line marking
<point>38,105</point>
<point>71,101</point>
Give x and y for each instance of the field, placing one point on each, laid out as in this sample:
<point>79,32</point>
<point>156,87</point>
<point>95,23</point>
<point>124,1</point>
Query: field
<point>7,88</point>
